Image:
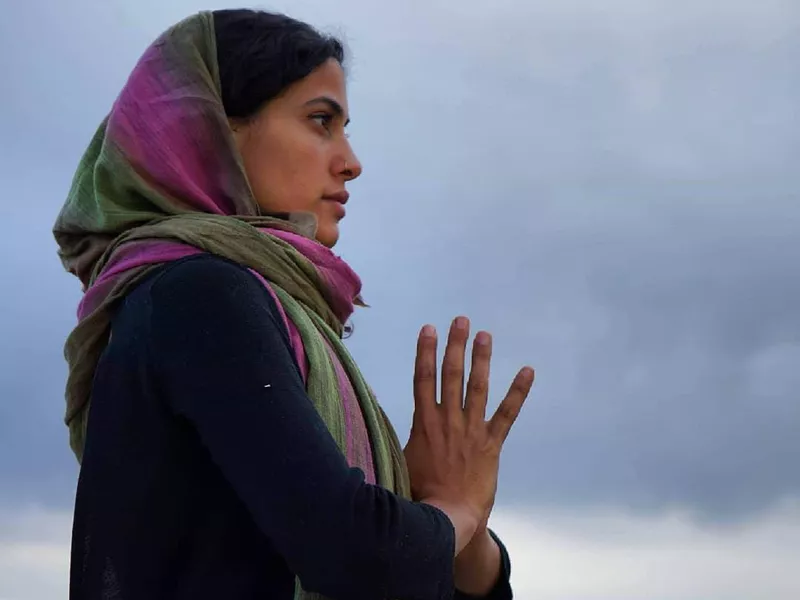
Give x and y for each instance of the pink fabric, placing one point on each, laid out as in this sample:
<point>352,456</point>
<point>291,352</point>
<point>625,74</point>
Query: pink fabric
<point>137,255</point>
<point>168,124</point>
<point>357,452</point>
<point>294,334</point>
<point>335,272</point>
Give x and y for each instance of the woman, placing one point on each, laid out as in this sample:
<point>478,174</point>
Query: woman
<point>231,448</point>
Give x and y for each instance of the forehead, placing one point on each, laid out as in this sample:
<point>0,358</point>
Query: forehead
<point>326,80</point>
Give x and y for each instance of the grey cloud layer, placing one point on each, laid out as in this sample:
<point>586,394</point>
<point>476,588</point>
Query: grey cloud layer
<point>610,193</point>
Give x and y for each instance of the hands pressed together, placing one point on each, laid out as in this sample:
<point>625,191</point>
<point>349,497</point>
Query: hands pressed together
<point>453,452</point>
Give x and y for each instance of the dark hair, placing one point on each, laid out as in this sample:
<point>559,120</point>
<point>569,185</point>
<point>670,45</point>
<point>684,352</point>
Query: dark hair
<point>260,54</point>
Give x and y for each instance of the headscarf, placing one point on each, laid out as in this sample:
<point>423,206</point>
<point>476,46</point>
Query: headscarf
<point>162,179</point>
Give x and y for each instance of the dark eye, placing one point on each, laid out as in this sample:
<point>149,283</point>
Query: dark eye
<point>324,119</point>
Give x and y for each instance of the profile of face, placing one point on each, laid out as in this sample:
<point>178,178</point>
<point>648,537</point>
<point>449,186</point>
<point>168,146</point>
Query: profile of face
<point>296,153</point>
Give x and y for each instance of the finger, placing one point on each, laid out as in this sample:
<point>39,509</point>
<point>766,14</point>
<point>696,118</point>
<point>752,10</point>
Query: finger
<point>509,408</point>
<point>478,383</point>
<point>453,369</point>
<point>425,374</point>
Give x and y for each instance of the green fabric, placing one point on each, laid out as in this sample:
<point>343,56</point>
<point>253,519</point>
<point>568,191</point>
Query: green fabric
<point>390,466</point>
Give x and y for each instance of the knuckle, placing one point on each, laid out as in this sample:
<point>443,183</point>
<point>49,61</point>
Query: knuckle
<point>478,386</point>
<point>481,359</point>
<point>507,413</point>
<point>489,445</point>
<point>427,342</point>
<point>426,372</point>
<point>520,386</point>
<point>452,370</point>
<point>483,350</point>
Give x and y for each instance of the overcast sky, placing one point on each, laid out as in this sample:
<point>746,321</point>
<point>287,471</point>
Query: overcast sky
<point>609,187</point>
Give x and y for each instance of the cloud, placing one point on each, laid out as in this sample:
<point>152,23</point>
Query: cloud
<point>599,555</point>
<point>612,195</point>
<point>34,554</point>
<point>610,189</point>
<point>591,555</point>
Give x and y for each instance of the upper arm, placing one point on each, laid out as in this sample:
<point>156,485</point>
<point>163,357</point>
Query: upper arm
<point>223,362</point>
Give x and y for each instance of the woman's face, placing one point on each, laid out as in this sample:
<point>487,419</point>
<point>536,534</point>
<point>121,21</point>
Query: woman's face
<point>296,153</point>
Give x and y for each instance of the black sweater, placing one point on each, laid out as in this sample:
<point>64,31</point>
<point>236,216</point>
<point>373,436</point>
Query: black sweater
<point>199,481</point>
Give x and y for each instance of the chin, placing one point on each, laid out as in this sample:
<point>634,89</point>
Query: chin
<point>328,235</point>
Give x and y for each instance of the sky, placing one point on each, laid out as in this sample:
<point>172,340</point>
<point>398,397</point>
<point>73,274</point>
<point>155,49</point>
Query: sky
<point>606,187</point>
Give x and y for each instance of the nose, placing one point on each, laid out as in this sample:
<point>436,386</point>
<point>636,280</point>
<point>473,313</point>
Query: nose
<point>350,167</point>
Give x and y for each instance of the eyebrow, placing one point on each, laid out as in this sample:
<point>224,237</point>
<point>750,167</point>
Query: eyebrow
<point>335,107</point>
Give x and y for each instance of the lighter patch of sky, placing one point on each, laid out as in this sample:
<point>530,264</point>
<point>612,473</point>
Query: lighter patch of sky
<point>591,555</point>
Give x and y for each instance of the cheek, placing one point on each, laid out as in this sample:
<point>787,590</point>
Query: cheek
<point>287,172</point>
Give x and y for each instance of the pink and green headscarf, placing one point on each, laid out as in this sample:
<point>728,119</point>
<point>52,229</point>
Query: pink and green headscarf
<point>162,180</point>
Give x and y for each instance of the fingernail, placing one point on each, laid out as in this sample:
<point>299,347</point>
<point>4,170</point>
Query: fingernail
<point>482,339</point>
<point>462,322</point>
<point>428,331</point>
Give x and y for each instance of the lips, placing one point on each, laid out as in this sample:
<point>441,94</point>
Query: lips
<point>340,197</point>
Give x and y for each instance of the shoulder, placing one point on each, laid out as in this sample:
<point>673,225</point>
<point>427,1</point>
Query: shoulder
<point>204,271</point>
<point>201,273</point>
<point>204,285</point>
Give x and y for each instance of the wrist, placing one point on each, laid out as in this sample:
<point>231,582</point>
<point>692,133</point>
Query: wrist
<point>478,566</point>
<point>481,545</point>
<point>465,522</point>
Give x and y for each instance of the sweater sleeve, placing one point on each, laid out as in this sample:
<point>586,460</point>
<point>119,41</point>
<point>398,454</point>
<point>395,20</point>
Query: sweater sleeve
<point>224,364</point>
